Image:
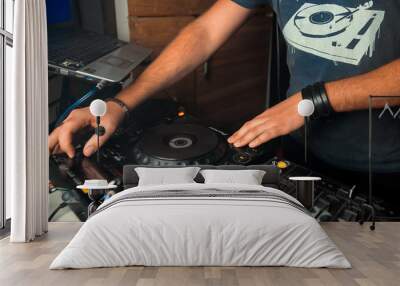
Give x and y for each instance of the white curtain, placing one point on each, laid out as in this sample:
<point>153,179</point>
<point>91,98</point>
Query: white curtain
<point>27,123</point>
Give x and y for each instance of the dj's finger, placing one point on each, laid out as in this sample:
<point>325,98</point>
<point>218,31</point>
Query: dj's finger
<point>237,136</point>
<point>91,144</point>
<point>53,139</point>
<point>65,138</point>
<point>66,143</point>
<point>261,139</point>
<point>56,150</point>
<point>250,135</point>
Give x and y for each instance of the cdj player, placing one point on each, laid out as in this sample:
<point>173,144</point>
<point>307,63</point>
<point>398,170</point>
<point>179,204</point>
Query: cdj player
<point>160,133</point>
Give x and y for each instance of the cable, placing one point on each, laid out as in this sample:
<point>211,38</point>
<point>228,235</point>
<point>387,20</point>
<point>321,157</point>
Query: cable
<point>80,101</point>
<point>61,206</point>
<point>75,105</point>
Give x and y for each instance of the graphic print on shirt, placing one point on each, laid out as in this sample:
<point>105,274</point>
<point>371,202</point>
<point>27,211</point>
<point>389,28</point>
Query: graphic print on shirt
<point>334,32</point>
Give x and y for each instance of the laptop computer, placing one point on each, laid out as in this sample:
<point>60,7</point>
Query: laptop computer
<point>87,54</point>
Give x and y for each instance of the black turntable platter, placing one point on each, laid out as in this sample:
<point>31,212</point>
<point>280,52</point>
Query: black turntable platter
<point>179,144</point>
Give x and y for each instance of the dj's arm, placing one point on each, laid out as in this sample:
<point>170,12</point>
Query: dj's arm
<point>191,47</point>
<point>353,93</point>
<point>194,45</point>
<point>344,95</point>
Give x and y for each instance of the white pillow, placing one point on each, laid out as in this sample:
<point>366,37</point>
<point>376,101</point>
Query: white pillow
<point>164,176</point>
<point>247,177</point>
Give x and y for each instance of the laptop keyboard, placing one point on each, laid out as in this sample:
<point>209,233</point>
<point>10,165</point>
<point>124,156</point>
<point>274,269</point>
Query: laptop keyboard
<point>80,47</point>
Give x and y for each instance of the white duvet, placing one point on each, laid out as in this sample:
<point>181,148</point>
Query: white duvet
<point>203,231</point>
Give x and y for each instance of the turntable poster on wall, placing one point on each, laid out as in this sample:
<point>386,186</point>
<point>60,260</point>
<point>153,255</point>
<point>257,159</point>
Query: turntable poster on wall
<point>334,32</point>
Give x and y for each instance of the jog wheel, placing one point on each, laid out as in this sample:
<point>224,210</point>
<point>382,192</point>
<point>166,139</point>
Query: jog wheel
<point>179,144</point>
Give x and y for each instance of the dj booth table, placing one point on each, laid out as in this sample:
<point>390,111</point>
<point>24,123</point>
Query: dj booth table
<point>374,255</point>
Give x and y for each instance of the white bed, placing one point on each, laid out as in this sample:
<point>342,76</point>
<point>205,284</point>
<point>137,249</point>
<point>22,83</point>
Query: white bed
<point>222,225</point>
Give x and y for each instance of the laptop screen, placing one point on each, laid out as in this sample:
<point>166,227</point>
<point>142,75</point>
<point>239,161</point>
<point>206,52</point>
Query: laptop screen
<point>61,13</point>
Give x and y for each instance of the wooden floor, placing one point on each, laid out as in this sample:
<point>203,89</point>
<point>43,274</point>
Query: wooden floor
<point>375,257</point>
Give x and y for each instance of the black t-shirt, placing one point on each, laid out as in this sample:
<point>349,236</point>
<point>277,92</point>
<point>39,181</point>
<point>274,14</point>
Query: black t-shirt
<point>330,40</point>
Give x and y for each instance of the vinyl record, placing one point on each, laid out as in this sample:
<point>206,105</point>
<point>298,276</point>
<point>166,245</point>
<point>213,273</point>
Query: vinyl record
<point>179,144</point>
<point>322,21</point>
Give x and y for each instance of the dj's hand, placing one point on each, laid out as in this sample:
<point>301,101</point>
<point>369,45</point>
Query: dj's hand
<point>61,139</point>
<point>279,120</point>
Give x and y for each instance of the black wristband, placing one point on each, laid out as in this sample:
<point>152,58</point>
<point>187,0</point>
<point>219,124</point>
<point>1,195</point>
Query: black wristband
<point>122,105</point>
<point>326,107</point>
<point>308,93</point>
<point>317,94</point>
